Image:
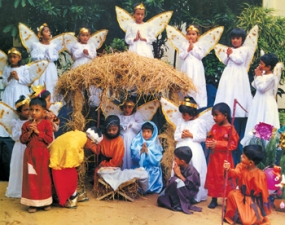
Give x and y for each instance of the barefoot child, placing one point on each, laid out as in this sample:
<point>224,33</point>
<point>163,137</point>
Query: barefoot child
<point>222,138</point>
<point>14,189</point>
<point>183,186</point>
<point>146,152</point>
<point>249,204</point>
<point>37,134</point>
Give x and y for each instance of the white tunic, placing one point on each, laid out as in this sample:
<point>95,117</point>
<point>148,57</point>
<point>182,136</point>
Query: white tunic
<point>14,189</point>
<point>234,82</point>
<point>198,129</point>
<point>194,69</point>
<point>78,55</point>
<point>14,89</point>
<point>130,126</point>
<point>143,48</point>
<point>46,52</point>
<point>264,106</point>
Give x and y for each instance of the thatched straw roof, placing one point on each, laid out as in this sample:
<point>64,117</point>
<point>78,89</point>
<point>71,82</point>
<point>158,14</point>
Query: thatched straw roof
<point>124,71</point>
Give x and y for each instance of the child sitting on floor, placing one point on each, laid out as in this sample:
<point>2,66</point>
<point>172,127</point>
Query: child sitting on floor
<point>183,187</point>
<point>250,202</point>
<point>146,152</point>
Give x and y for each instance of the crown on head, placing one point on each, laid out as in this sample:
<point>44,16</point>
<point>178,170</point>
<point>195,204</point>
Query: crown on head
<point>14,51</point>
<point>37,90</point>
<point>140,6</point>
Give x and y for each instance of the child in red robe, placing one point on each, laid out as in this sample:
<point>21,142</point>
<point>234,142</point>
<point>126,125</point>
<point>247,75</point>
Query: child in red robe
<point>249,203</point>
<point>37,134</point>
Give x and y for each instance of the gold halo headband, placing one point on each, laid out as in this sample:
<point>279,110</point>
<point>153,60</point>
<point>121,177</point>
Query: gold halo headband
<point>14,51</point>
<point>37,90</point>
<point>140,6</point>
<point>41,28</point>
<point>129,104</point>
<point>24,102</point>
<point>191,27</point>
<point>193,105</point>
<point>83,30</point>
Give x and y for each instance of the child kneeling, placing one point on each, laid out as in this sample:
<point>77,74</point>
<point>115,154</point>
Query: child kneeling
<point>249,203</point>
<point>183,186</point>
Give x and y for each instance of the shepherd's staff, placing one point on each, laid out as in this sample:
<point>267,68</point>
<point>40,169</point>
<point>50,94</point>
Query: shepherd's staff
<point>227,157</point>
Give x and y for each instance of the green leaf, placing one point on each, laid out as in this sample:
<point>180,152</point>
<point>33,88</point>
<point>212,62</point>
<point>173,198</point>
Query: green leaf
<point>16,3</point>
<point>23,3</point>
<point>31,2</point>
<point>14,31</point>
<point>7,28</point>
<point>0,3</point>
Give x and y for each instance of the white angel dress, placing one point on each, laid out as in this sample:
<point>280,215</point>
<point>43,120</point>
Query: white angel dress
<point>234,82</point>
<point>193,67</point>
<point>198,128</point>
<point>192,61</point>
<point>148,30</point>
<point>48,52</point>
<point>143,48</point>
<point>14,88</point>
<point>14,189</point>
<point>130,127</point>
<point>78,55</point>
<point>264,106</point>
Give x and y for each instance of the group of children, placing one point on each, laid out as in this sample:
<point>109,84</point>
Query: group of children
<point>138,145</point>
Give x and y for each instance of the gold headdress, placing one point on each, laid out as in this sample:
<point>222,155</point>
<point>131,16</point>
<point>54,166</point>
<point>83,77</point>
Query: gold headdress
<point>14,51</point>
<point>84,30</point>
<point>140,6</point>
<point>23,102</point>
<point>41,28</point>
<point>187,102</point>
<point>129,103</point>
<point>191,27</point>
<point>37,90</point>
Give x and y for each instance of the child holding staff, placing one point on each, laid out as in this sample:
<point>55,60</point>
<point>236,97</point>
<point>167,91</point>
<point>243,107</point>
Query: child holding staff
<point>250,202</point>
<point>37,134</point>
<point>222,138</point>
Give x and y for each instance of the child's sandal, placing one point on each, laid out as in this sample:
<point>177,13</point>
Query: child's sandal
<point>47,208</point>
<point>32,209</point>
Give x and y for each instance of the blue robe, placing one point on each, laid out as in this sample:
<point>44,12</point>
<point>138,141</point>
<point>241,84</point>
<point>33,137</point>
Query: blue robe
<point>150,161</point>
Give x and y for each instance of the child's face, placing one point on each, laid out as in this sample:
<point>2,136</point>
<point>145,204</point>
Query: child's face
<point>14,59</point>
<point>128,110</point>
<point>25,112</point>
<point>244,159</point>
<point>147,133</point>
<point>48,98</point>
<point>112,130</point>
<point>187,117</point>
<point>178,161</point>
<point>219,117</point>
<point>46,35</point>
<point>139,15</point>
<point>37,112</point>
<point>263,66</point>
<point>236,42</point>
<point>84,37</point>
<point>192,35</point>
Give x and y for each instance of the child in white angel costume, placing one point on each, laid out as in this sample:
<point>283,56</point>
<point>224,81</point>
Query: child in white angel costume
<point>140,34</point>
<point>192,49</point>
<point>14,189</point>
<point>190,131</point>
<point>131,122</point>
<point>264,106</point>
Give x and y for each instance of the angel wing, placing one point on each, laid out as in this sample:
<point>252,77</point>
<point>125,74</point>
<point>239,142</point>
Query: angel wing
<point>278,70</point>
<point>158,22</point>
<point>109,108</point>
<point>3,61</point>
<point>55,107</point>
<point>172,114</point>
<point>148,109</point>
<point>96,38</point>
<point>207,40</point>
<point>250,42</point>
<point>28,37</point>
<point>7,114</point>
<point>36,69</point>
